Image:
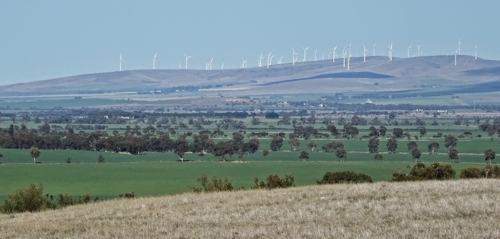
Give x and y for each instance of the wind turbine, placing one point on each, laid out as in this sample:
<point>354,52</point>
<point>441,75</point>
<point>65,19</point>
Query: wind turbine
<point>409,51</point>
<point>364,53</point>
<point>187,57</point>
<point>373,51</point>
<point>390,52</point>
<point>211,61</point>
<point>418,50</point>
<point>121,60</point>
<point>456,51</point>
<point>154,61</point>
<point>315,52</point>
<point>222,67</point>
<point>348,61</point>
<point>305,51</point>
<point>459,43</point>
<point>475,52</point>
<point>344,52</point>
<point>260,59</point>
<point>333,53</point>
<point>280,60</point>
<point>293,56</point>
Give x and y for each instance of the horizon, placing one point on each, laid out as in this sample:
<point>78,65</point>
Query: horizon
<point>60,39</point>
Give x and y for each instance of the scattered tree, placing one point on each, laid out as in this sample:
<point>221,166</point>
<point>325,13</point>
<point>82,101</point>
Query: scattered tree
<point>35,153</point>
<point>344,177</point>
<point>304,155</point>
<point>378,157</point>
<point>373,145</point>
<point>415,154</point>
<point>312,145</point>
<point>450,141</point>
<point>392,145</point>
<point>453,154</point>
<point>265,152</point>
<point>433,147</point>
<point>489,155</point>
<point>341,154</point>
<point>100,159</point>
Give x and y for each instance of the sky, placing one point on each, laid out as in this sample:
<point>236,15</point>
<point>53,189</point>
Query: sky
<point>49,39</point>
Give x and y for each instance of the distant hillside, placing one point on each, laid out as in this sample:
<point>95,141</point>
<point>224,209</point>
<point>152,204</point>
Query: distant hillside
<point>431,209</point>
<point>376,74</point>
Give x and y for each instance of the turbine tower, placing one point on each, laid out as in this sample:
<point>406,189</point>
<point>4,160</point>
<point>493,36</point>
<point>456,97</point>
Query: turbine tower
<point>269,59</point>
<point>154,61</point>
<point>456,51</point>
<point>475,52</point>
<point>121,60</point>
<point>418,50</point>
<point>334,54</point>
<point>364,53</point>
<point>459,43</point>
<point>260,59</point>
<point>293,56</point>
<point>305,51</point>
<point>373,49</point>
<point>344,53</point>
<point>315,52</point>
<point>390,52</point>
<point>348,61</point>
<point>409,51</point>
<point>187,57</point>
<point>280,60</point>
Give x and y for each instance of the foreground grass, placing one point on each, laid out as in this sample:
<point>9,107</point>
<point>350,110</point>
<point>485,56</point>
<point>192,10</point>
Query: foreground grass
<point>434,209</point>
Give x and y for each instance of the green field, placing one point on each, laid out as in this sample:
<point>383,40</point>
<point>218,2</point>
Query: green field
<point>160,173</point>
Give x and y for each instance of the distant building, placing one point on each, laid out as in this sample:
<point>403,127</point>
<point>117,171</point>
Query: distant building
<point>368,101</point>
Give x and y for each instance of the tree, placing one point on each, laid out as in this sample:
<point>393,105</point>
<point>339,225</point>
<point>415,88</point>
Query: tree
<point>397,133</point>
<point>100,159</point>
<point>382,130</point>
<point>181,146</point>
<point>341,154</point>
<point>35,153</point>
<point>304,155</point>
<point>276,143</point>
<point>312,145</point>
<point>240,154</point>
<point>453,154</point>
<point>433,147</point>
<point>415,154</point>
<point>265,152</point>
<point>392,145</point>
<point>373,145</point>
<point>489,155</point>
<point>412,145</point>
<point>422,130</point>
<point>68,160</point>
<point>294,143</point>
<point>378,157</point>
<point>450,141</point>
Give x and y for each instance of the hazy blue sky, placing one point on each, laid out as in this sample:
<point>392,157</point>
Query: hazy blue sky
<point>49,39</point>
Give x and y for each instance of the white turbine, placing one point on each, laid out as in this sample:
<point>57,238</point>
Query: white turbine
<point>364,53</point>
<point>222,67</point>
<point>187,57</point>
<point>334,54</point>
<point>121,60</point>
<point>390,52</point>
<point>459,43</point>
<point>260,59</point>
<point>348,62</point>
<point>456,51</point>
<point>344,53</point>
<point>418,50</point>
<point>373,49</point>
<point>305,51</point>
<point>475,52</point>
<point>315,52</point>
<point>211,61</point>
<point>280,60</point>
<point>269,59</point>
<point>293,56</point>
<point>408,53</point>
<point>154,61</point>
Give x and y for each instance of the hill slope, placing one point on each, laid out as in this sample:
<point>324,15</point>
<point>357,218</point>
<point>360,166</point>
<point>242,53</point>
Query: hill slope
<point>315,76</point>
<point>436,209</point>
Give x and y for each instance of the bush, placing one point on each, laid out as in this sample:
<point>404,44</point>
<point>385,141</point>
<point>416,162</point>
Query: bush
<point>100,159</point>
<point>274,181</point>
<point>28,199</point>
<point>213,185</point>
<point>344,177</point>
<point>487,172</point>
<point>127,195</point>
<point>420,172</point>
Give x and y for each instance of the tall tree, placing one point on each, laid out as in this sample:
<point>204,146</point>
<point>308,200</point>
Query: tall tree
<point>265,152</point>
<point>433,147</point>
<point>294,143</point>
<point>373,145</point>
<point>392,145</point>
<point>489,155</point>
<point>35,153</point>
<point>412,145</point>
<point>415,154</point>
<point>312,145</point>
<point>453,154</point>
<point>276,143</point>
<point>450,141</point>
<point>304,155</point>
<point>341,154</point>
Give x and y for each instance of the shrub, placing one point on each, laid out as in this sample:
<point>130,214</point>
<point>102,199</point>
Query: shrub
<point>487,172</point>
<point>100,159</point>
<point>213,185</point>
<point>68,160</point>
<point>420,172</point>
<point>127,195</point>
<point>28,199</point>
<point>274,181</point>
<point>344,177</point>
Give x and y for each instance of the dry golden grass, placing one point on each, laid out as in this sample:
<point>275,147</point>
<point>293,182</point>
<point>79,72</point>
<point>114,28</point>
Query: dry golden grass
<point>450,209</point>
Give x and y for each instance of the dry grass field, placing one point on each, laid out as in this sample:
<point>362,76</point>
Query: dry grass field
<point>434,209</point>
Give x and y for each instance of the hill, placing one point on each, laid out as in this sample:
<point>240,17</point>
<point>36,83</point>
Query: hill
<point>376,74</point>
<point>432,209</point>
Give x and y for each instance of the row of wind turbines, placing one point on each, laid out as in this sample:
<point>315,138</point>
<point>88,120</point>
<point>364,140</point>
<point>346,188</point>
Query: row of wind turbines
<point>345,55</point>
